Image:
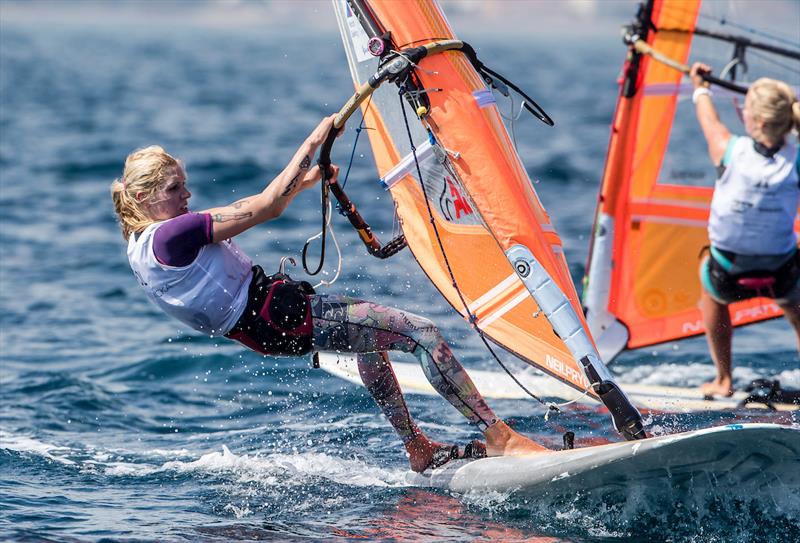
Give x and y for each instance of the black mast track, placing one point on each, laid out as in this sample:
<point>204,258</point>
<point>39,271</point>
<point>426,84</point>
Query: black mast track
<point>368,20</point>
<point>739,40</point>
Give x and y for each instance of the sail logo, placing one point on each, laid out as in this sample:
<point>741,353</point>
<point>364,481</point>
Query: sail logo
<point>459,203</point>
<point>769,309</point>
<point>566,371</point>
<point>692,327</point>
<point>739,316</point>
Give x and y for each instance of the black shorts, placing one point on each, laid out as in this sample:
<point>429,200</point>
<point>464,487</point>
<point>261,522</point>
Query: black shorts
<point>724,278</point>
<point>277,319</point>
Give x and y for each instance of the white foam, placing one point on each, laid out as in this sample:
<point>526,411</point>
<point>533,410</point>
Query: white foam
<point>668,374</point>
<point>790,378</point>
<point>239,512</point>
<point>273,469</point>
<point>361,420</point>
<point>694,374</point>
<point>123,469</point>
<point>270,469</point>
<point>30,445</point>
<point>171,452</point>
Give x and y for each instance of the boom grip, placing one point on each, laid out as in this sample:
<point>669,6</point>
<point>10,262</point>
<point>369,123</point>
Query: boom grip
<point>642,47</point>
<point>324,160</point>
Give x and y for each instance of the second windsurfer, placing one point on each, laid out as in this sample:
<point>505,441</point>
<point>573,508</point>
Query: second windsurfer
<point>753,248</point>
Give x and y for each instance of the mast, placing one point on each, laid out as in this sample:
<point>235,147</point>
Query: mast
<point>457,129</point>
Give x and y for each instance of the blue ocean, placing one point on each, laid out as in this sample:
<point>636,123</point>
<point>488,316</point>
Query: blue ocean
<point>118,424</point>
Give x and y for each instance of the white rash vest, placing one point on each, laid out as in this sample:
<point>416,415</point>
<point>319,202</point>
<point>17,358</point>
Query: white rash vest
<point>209,294</point>
<point>755,200</point>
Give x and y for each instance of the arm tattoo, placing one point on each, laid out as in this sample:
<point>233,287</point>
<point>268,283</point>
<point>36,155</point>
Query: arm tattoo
<point>225,217</point>
<point>291,185</point>
<point>304,164</point>
<point>239,203</point>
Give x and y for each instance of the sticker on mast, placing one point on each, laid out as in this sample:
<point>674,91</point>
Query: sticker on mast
<point>358,37</point>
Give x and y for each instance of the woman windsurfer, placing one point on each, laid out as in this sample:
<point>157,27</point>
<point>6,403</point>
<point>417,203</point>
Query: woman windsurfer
<point>753,249</point>
<point>191,269</point>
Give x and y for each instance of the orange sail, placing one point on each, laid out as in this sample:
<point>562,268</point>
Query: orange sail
<point>642,284</point>
<point>468,210</point>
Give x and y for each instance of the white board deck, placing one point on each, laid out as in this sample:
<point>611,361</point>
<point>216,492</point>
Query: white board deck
<point>741,458</point>
<point>498,385</point>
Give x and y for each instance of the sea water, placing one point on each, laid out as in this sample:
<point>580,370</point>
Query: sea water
<point>120,424</point>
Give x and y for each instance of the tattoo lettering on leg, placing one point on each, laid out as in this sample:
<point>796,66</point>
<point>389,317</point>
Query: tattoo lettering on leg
<point>224,217</point>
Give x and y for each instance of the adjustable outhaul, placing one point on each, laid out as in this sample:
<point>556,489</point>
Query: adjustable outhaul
<point>348,209</point>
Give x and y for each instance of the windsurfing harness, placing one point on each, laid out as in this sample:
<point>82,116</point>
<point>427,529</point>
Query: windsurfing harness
<point>729,277</point>
<point>277,318</point>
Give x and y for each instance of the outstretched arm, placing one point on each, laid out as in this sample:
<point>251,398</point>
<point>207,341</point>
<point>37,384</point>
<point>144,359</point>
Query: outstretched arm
<point>714,130</point>
<point>299,174</point>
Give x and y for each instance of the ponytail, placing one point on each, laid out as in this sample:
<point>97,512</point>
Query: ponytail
<point>145,172</point>
<point>774,103</point>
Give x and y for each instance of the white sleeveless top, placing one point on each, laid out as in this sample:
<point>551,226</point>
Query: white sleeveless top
<point>755,200</point>
<point>209,294</point>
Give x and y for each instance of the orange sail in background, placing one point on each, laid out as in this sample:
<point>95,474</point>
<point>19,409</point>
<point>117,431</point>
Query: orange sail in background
<point>468,210</point>
<point>642,284</point>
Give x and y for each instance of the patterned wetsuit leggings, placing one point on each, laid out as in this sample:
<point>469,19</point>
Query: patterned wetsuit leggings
<point>349,325</point>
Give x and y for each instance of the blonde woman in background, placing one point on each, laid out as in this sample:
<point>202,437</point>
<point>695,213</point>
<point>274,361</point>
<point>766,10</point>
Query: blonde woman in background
<point>753,249</point>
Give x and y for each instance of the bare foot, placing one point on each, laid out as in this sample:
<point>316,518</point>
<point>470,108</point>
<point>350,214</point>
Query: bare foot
<point>503,441</point>
<point>420,452</point>
<point>717,387</point>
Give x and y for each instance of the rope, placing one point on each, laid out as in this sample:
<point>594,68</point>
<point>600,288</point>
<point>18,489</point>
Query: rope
<point>722,21</point>
<point>355,143</point>
<point>770,60</point>
<point>512,118</point>
<point>328,225</point>
<point>557,406</point>
<point>454,283</point>
<point>324,201</point>
<point>326,217</point>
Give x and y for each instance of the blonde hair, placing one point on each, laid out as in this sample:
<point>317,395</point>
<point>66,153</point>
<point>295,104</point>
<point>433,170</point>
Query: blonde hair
<point>774,103</point>
<point>146,170</point>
